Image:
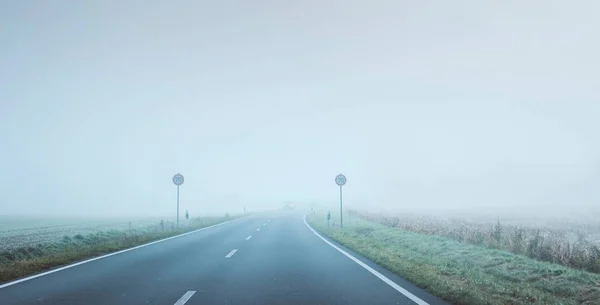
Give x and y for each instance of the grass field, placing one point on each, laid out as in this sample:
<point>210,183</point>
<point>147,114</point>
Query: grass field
<point>19,231</point>
<point>568,242</point>
<point>38,247</point>
<point>460,272</point>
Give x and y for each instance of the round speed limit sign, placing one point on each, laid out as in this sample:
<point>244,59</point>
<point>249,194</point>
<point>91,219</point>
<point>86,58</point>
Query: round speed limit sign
<point>340,180</point>
<point>178,179</point>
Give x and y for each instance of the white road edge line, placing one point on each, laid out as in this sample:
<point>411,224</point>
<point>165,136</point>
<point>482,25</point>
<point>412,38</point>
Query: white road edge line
<point>231,253</point>
<point>185,298</point>
<point>248,237</point>
<point>257,229</point>
<point>108,255</point>
<point>382,277</point>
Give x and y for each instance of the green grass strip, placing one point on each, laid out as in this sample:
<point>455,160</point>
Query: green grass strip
<point>21,262</point>
<point>462,273</point>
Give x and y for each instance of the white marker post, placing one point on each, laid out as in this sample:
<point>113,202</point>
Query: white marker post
<point>341,180</point>
<point>178,180</point>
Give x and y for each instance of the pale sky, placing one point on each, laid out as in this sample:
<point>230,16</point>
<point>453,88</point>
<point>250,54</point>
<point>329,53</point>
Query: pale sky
<point>453,104</point>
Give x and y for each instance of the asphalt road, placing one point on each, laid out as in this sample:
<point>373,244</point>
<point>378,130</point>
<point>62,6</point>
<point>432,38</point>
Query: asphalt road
<point>270,258</point>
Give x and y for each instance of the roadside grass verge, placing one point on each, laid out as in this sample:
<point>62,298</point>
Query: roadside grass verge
<point>24,261</point>
<point>463,273</point>
<point>574,245</point>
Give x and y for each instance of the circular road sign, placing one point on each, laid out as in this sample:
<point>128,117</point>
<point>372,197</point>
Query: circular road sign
<point>178,179</point>
<point>340,179</point>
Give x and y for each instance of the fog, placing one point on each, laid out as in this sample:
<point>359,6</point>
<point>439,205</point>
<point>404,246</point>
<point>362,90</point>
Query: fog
<point>423,105</point>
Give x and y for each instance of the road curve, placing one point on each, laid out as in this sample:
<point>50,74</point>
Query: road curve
<point>272,258</point>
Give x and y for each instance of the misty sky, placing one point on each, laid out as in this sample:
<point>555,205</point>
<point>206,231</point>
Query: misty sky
<point>455,104</point>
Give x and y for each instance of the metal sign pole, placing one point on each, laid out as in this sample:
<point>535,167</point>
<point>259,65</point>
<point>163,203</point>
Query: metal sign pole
<point>341,214</point>
<point>178,180</point>
<point>341,180</point>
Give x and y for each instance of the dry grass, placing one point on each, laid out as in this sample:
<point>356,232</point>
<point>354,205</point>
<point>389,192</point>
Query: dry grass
<point>16,262</point>
<point>460,272</point>
<point>18,232</point>
<point>569,244</point>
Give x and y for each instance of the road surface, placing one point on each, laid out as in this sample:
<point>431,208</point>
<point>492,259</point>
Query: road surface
<point>272,258</point>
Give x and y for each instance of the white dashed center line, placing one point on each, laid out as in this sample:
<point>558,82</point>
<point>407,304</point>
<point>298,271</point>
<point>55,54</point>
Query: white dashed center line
<point>231,253</point>
<point>264,224</point>
<point>257,229</point>
<point>185,298</point>
<point>248,237</point>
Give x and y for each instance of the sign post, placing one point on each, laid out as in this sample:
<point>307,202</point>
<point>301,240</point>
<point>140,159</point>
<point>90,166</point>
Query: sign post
<point>178,180</point>
<point>341,180</point>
